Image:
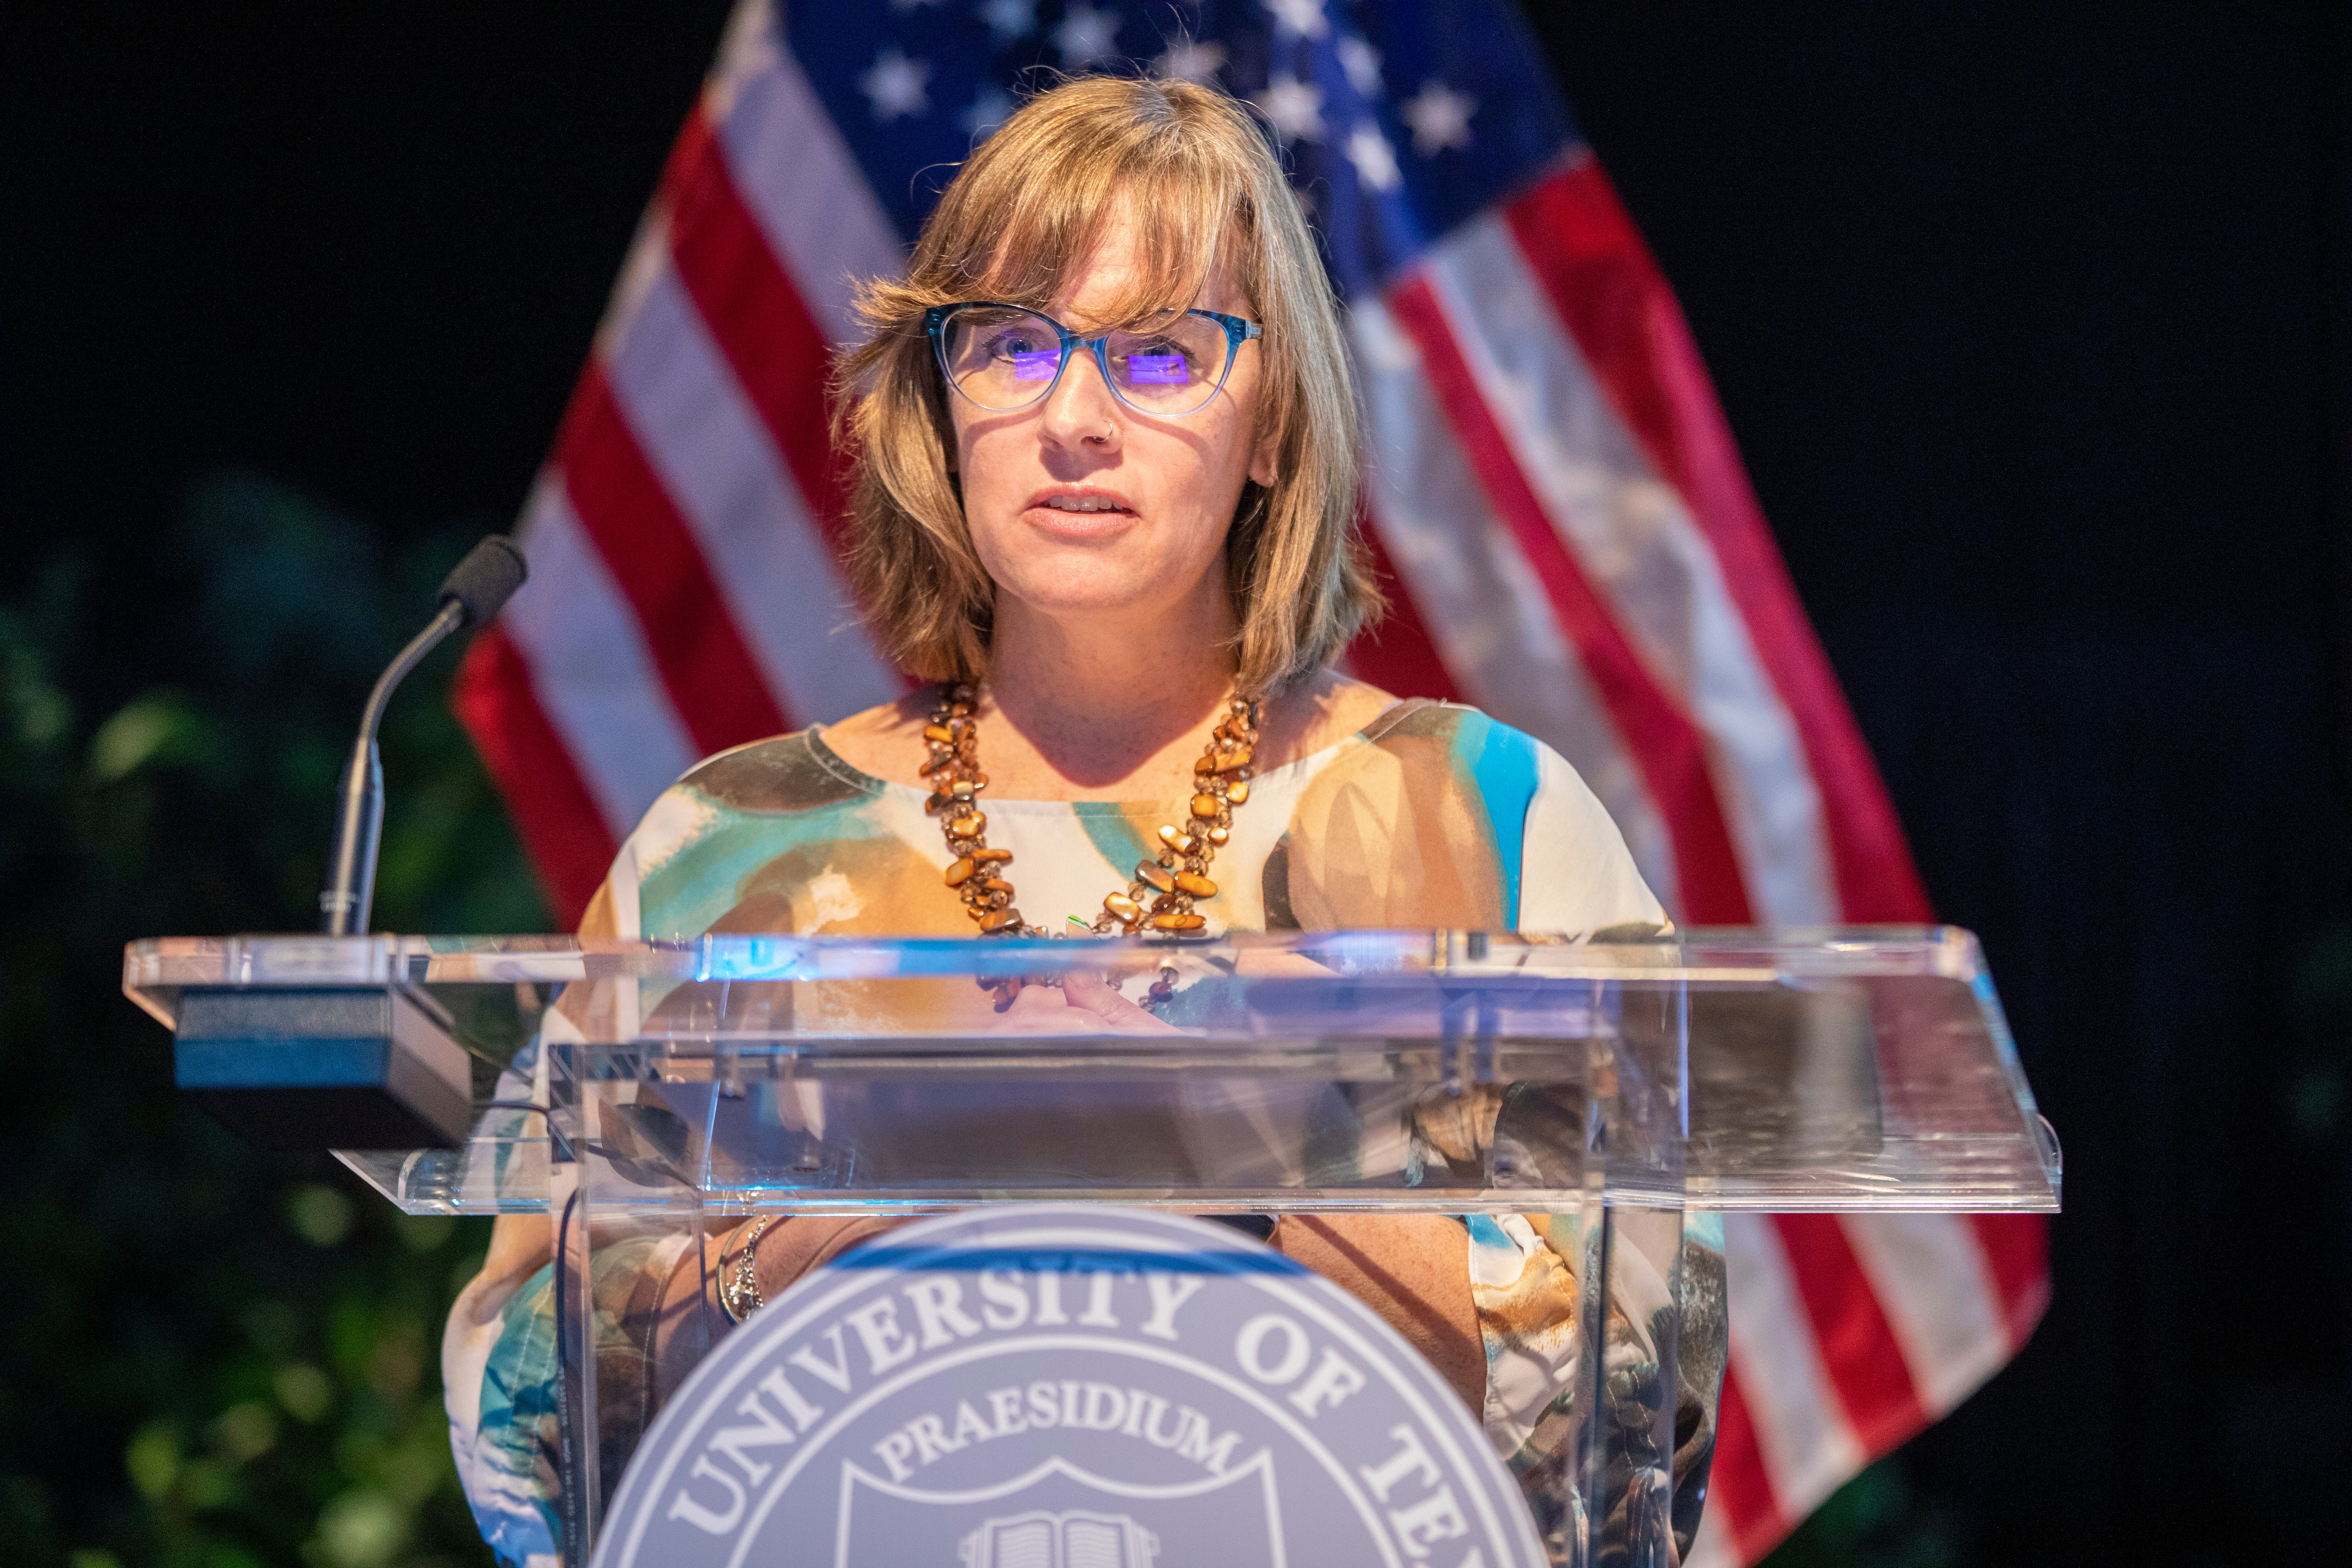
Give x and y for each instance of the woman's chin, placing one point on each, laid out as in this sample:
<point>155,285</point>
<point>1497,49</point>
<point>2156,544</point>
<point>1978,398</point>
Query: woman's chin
<point>1106,568</point>
<point>1073,597</point>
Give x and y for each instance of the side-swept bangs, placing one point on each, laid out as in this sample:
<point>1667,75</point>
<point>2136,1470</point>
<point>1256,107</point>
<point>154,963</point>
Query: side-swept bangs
<point>1041,215</point>
<point>1189,171</point>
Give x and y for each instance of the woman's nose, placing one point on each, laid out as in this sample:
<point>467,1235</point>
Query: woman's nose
<point>1082,410</point>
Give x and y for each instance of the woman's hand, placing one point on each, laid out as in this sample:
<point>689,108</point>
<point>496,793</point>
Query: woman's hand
<point>1084,1004</point>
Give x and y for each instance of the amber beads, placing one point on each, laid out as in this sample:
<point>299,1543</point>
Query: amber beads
<point>1166,887</point>
<point>952,769</point>
<point>1161,897</point>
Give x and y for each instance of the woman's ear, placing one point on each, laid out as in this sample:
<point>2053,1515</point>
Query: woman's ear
<point>1262,469</point>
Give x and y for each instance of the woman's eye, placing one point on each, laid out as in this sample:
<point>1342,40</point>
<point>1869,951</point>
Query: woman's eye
<point>1161,363</point>
<point>1032,363</point>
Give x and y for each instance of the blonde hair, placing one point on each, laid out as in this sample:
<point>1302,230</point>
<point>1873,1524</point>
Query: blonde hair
<point>1191,171</point>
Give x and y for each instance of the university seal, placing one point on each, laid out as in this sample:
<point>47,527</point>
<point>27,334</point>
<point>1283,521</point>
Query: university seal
<point>1062,1387</point>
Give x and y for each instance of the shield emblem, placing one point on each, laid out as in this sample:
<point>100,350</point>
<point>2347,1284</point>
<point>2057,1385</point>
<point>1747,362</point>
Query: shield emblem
<point>1073,1540</point>
<point>1059,1516</point>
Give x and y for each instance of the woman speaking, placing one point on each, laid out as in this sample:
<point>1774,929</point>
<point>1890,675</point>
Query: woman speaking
<point>1107,450</point>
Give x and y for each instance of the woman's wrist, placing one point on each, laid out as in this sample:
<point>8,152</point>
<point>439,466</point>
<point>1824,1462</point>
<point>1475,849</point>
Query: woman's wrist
<point>762,1257</point>
<point>738,1280</point>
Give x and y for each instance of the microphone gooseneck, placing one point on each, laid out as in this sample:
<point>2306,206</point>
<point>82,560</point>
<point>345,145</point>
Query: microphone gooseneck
<point>470,596</point>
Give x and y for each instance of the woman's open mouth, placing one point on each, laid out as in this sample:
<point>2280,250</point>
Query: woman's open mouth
<point>1079,510</point>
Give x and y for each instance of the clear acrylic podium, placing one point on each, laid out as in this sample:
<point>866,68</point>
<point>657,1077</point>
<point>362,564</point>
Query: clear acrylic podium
<point>687,1085</point>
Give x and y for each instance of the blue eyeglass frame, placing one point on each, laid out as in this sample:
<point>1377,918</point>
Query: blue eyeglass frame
<point>1238,330</point>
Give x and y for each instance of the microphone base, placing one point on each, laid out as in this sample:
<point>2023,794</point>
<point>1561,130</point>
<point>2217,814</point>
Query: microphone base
<point>302,1070</point>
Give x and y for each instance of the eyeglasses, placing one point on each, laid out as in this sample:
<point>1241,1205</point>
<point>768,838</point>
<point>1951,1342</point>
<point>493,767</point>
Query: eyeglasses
<point>1003,357</point>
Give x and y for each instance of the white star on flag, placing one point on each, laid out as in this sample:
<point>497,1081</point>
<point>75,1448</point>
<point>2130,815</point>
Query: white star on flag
<point>1439,117</point>
<point>988,110</point>
<point>1086,36</point>
<point>1303,17</point>
<point>1009,20</point>
<point>1295,107</point>
<point>1362,64</point>
<point>1189,61</point>
<point>1375,159</point>
<point>896,84</point>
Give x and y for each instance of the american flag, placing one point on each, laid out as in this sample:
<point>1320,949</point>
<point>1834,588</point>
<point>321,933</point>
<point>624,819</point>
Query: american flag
<point>1556,504</point>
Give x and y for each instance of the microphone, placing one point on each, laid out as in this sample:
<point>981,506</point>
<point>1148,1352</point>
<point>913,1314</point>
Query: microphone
<point>470,595</point>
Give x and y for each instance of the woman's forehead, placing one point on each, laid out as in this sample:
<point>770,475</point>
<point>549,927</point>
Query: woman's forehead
<point>1108,298</point>
<point>1121,271</point>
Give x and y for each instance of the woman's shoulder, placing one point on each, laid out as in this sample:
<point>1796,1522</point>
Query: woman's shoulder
<point>874,744</point>
<point>1435,813</point>
<point>1322,713</point>
<point>1419,755</point>
<point>1440,737</point>
<point>687,863</point>
<point>780,775</point>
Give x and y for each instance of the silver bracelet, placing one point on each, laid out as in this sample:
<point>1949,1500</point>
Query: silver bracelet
<point>739,1297</point>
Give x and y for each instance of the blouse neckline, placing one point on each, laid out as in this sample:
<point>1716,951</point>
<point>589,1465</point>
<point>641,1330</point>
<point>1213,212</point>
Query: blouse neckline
<point>1314,761</point>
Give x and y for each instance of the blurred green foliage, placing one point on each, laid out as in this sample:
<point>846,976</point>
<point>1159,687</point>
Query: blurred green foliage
<point>2319,1095</point>
<point>212,1357</point>
<point>1877,1520</point>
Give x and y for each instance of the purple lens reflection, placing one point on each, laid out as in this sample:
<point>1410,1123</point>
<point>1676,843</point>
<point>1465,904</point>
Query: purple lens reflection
<point>1040,365</point>
<point>1164,369</point>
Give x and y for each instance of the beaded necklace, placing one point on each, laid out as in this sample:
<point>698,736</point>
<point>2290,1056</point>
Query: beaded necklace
<point>1161,896</point>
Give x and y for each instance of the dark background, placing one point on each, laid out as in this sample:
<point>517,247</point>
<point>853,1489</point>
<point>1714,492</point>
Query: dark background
<point>2034,322</point>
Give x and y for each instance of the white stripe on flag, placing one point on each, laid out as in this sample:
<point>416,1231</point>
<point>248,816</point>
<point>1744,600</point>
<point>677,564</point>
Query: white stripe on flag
<point>1929,1276</point>
<point>1641,550</point>
<point>1713,1546</point>
<point>589,666</point>
<point>804,188</point>
<point>696,426</point>
<point>1481,601</point>
<point>648,260</point>
<point>1807,1447</point>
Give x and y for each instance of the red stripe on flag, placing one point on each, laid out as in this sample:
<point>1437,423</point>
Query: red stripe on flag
<point>712,678</point>
<point>1617,305</point>
<point>1859,1350</point>
<point>1398,655</point>
<point>2017,1254</point>
<point>557,819</point>
<point>757,317</point>
<point>1666,746</point>
<point>1739,1486</point>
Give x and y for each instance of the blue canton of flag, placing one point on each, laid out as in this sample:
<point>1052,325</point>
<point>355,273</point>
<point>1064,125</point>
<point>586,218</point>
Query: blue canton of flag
<point>1397,122</point>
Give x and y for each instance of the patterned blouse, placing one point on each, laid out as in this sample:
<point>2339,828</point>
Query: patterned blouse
<point>1432,816</point>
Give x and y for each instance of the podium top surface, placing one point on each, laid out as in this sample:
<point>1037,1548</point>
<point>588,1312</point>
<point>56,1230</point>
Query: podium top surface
<point>1850,1069</point>
<point>816,993</point>
<point>155,968</point>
